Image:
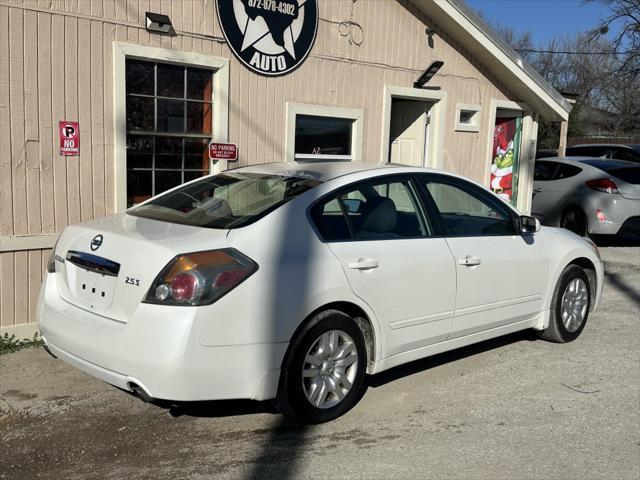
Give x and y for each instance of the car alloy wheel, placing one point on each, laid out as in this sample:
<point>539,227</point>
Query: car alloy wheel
<point>323,372</point>
<point>330,368</point>
<point>569,306</point>
<point>575,301</point>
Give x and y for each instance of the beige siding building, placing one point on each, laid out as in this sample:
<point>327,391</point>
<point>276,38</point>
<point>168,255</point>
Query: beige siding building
<point>147,104</point>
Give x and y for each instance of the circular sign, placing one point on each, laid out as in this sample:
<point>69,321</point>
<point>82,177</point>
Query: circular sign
<point>69,130</point>
<point>271,37</point>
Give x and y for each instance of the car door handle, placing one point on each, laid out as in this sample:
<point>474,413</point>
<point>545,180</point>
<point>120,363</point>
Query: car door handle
<point>537,190</point>
<point>469,261</point>
<point>363,264</point>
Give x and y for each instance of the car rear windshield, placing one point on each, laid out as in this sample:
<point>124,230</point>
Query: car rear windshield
<point>629,175</point>
<point>228,200</point>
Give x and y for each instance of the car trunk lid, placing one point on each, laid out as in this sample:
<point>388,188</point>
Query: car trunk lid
<point>106,266</point>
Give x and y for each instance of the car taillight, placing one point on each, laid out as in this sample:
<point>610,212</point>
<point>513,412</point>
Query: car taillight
<point>200,278</point>
<point>51,265</point>
<point>605,185</point>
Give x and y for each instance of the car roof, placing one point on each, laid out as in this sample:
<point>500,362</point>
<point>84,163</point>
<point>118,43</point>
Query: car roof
<point>609,163</point>
<point>600,163</point>
<point>322,171</point>
<point>630,146</point>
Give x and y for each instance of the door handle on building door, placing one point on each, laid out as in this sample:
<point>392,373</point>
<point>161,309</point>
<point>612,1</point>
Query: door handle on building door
<point>469,261</point>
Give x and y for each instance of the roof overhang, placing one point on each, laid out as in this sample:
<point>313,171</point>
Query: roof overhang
<point>464,26</point>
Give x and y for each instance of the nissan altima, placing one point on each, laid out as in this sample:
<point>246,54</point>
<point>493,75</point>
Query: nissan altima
<point>294,282</point>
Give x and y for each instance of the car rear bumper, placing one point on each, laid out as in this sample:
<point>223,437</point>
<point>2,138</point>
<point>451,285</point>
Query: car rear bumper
<point>631,227</point>
<point>158,351</point>
<point>616,210</point>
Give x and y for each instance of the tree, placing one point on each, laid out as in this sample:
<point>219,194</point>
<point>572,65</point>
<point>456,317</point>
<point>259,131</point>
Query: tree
<point>625,15</point>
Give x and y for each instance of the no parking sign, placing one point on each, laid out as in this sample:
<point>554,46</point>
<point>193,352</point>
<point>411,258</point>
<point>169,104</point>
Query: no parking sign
<point>69,137</point>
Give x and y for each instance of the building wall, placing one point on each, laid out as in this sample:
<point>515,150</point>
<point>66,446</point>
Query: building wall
<point>56,64</point>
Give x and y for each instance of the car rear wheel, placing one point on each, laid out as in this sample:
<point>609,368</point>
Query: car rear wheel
<point>323,373</point>
<point>575,220</point>
<point>569,306</point>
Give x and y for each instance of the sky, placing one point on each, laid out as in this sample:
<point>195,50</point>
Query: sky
<point>543,18</point>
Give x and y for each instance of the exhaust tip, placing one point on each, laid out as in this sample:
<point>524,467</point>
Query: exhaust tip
<point>139,392</point>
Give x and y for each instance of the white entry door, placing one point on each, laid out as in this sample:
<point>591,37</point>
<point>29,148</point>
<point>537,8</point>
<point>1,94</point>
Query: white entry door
<point>408,132</point>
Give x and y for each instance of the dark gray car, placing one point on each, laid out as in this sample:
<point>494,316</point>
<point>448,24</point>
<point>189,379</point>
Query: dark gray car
<point>589,196</point>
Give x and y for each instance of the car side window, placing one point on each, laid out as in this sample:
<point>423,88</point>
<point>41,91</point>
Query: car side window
<point>380,210</point>
<point>466,210</point>
<point>544,170</point>
<point>625,155</point>
<point>566,171</point>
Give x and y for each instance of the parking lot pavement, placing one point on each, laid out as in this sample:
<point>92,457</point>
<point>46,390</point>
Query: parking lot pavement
<point>515,407</point>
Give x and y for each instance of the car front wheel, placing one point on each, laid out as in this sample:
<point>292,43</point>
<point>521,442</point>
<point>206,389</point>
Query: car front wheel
<point>323,373</point>
<point>569,306</point>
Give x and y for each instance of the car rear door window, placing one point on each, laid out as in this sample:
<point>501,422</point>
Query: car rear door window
<point>544,171</point>
<point>378,210</point>
<point>467,210</point>
<point>566,171</point>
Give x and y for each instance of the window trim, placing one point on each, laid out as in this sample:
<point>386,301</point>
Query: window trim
<point>481,193</point>
<point>474,125</point>
<point>294,109</point>
<point>220,98</point>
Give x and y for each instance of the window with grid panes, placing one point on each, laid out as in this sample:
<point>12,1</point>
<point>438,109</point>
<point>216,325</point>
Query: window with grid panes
<point>169,120</point>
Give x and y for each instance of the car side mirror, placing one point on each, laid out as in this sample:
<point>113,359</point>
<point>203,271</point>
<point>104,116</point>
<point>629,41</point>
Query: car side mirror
<point>529,224</point>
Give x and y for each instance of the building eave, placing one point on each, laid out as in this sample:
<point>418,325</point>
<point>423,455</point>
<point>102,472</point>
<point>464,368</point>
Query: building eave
<point>466,27</point>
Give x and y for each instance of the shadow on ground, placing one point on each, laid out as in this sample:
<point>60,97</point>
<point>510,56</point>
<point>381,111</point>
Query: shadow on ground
<point>452,356</point>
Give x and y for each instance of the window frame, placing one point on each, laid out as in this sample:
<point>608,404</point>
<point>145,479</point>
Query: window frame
<point>155,133</point>
<point>474,125</point>
<point>220,98</point>
<point>471,189</point>
<point>421,207</point>
<point>356,115</point>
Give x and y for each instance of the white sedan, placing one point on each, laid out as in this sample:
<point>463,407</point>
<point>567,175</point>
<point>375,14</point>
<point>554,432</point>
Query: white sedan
<point>292,282</point>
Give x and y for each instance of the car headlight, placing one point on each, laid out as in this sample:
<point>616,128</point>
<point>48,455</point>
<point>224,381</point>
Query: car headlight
<point>200,278</point>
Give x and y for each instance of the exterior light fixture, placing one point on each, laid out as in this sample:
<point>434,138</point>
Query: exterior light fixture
<point>158,23</point>
<point>428,74</point>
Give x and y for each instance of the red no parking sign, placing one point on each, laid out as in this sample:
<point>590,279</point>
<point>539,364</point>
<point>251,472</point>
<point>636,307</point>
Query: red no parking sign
<point>69,137</point>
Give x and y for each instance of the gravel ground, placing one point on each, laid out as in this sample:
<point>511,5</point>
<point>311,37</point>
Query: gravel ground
<point>514,407</point>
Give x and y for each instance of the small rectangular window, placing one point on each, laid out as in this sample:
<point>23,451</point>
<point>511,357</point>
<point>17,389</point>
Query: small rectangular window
<point>467,118</point>
<point>323,138</point>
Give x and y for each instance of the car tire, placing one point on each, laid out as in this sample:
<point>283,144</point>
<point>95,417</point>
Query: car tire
<point>328,367</point>
<point>574,219</point>
<point>570,306</point>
